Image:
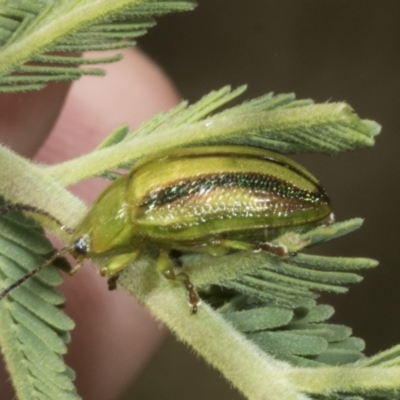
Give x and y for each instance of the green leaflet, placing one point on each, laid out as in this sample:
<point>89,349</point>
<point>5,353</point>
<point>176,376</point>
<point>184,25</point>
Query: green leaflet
<point>284,342</point>
<point>258,319</point>
<point>278,123</point>
<point>387,358</point>
<point>114,137</point>
<point>316,314</point>
<point>290,337</point>
<point>272,300</point>
<point>30,30</point>
<point>33,330</point>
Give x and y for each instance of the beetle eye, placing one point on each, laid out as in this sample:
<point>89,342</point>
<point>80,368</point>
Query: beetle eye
<point>81,246</point>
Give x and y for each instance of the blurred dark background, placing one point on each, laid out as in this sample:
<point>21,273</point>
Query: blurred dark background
<point>330,50</point>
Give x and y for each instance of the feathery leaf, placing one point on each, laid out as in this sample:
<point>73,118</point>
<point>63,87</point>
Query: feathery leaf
<point>272,300</point>
<point>31,30</point>
<point>33,330</point>
<point>278,123</point>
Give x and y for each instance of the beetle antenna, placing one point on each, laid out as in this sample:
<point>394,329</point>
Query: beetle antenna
<point>32,273</point>
<point>20,207</point>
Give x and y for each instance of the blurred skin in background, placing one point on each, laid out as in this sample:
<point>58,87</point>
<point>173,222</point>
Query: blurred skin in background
<point>114,335</point>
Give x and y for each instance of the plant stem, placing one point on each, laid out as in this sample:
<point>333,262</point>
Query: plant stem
<point>345,379</point>
<point>23,182</point>
<point>254,373</point>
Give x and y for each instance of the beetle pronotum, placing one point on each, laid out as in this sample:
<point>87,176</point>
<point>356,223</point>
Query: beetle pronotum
<point>199,199</point>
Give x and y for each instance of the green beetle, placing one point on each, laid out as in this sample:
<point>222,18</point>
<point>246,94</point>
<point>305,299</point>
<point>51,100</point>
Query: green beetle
<point>200,199</point>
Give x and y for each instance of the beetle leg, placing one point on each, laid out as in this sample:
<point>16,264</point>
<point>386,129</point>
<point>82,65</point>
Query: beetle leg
<point>166,267</point>
<point>75,269</point>
<point>216,248</point>
<point>112,282</point>
<point>276,249</point>
<point>115,265</point>
<point>219,247</point>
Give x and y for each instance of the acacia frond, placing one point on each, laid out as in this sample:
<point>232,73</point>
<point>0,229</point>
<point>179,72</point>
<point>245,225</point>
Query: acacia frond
<point>39,31</point>
<point>33,330</point>
<point>279,123</point>
<point>273,300</point>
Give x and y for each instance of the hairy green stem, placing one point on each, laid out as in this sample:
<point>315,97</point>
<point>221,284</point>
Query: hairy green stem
<point>253,372</point>
<point>24,182</point>
<point>345,379</point>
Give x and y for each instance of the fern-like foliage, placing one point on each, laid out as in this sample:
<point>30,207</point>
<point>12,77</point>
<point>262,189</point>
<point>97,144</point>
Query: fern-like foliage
<point>274,303</point>
<point>280,123</point>
<point>33,330</point>
<point>258,307</point>
<point>274,122</point>
<point>388,358</point>
<point>51,33</point>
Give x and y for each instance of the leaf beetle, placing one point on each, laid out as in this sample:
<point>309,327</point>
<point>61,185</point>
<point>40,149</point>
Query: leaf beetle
<point>199,199</point>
